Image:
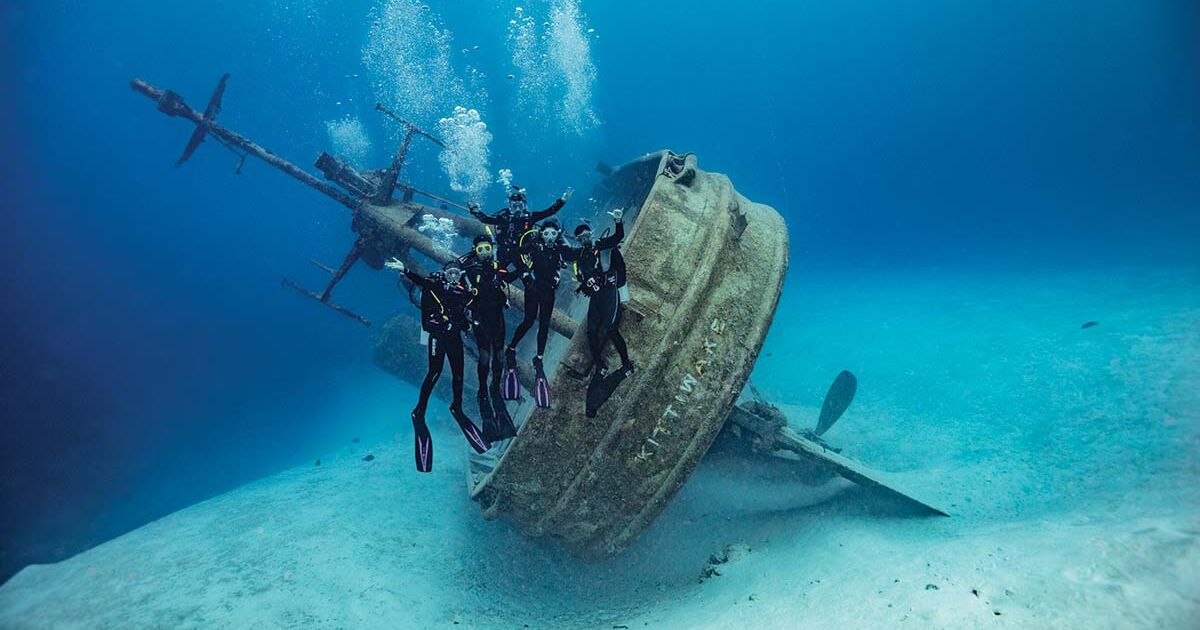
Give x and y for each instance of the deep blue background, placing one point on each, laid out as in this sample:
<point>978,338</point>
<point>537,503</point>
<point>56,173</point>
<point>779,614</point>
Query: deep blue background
<point>149,358</point>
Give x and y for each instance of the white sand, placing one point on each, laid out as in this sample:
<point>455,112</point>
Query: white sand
<point>1067,456</point>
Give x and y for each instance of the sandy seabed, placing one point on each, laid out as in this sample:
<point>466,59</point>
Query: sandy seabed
<point>1068,457</point>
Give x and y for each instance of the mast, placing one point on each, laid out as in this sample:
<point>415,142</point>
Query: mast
<point>173,105</point>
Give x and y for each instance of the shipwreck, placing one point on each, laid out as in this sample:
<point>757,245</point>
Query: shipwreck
<point>706,267</point>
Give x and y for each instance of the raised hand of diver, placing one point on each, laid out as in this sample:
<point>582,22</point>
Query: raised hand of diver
<point>473,208</point>
<point>395,264</point>
<point>566,196</point>
<point>617,214</point>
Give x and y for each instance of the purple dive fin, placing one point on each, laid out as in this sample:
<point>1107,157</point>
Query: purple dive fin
<point>511,384</point>
<point>423,445</point>
<point>542,388</point>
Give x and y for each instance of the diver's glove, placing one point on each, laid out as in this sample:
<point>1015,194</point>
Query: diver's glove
<point>566,196</point>
<point>617,214</point>
<point>395,264</point>
<point>473,208</point>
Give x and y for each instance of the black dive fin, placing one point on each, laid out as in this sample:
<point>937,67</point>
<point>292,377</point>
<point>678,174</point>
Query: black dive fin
<point>485,406</point>
<point>497,424</point>
<point>487,416</point>
<point>470,431</point>
<point>503,423</point>
<point>601,389</point>
<point>837,399</point>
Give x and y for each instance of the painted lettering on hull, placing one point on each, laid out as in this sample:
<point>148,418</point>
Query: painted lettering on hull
<point>691,388</point>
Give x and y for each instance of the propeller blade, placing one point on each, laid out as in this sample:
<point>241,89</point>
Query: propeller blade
<point>837,399</point>
<point>210,114</point>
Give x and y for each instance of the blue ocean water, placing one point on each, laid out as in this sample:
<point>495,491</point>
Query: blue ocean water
<point>150,358</point>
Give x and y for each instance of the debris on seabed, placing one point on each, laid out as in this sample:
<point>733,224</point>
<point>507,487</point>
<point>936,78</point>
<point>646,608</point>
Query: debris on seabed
<point>731,553</point>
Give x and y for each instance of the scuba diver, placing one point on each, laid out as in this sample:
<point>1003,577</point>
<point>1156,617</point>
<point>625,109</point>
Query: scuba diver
<point>444,304</point>
<point>514,221</point>
<point>542,257</point>
<point>487,280</point>
<point>600,270</point>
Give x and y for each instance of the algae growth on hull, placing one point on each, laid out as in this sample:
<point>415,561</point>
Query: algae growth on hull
<point>1033,414</point>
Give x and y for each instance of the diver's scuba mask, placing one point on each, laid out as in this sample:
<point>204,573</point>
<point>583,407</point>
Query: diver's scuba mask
<point>584,238</point>
<point>484,250</point>
<point>517,202</point>
<point>549,235</point>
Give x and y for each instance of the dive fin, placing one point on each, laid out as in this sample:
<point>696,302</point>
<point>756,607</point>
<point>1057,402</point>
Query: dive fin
<point>503,422</point>
<point>485,406</point>
<point>470,431</point>
<point>423,448</point>
<point>488,416</point>
<point>541,392</point>
<point>601,388</point>
<point>512,384</point>
<point>837,399</point>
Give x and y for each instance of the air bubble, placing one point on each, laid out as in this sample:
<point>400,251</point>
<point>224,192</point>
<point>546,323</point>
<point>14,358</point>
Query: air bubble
<point>349,139</point>
<point>465,158</point>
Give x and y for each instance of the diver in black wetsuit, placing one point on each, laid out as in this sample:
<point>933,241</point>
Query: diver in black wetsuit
<point>444,303</point>
<point>542,258</point>
<point>514,221</point>
<point>600,270</point>
<point>486,280</point>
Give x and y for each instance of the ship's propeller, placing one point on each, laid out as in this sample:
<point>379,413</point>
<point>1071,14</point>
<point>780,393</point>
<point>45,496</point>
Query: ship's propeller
<point>210,115</point>
<point>837,399</point>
